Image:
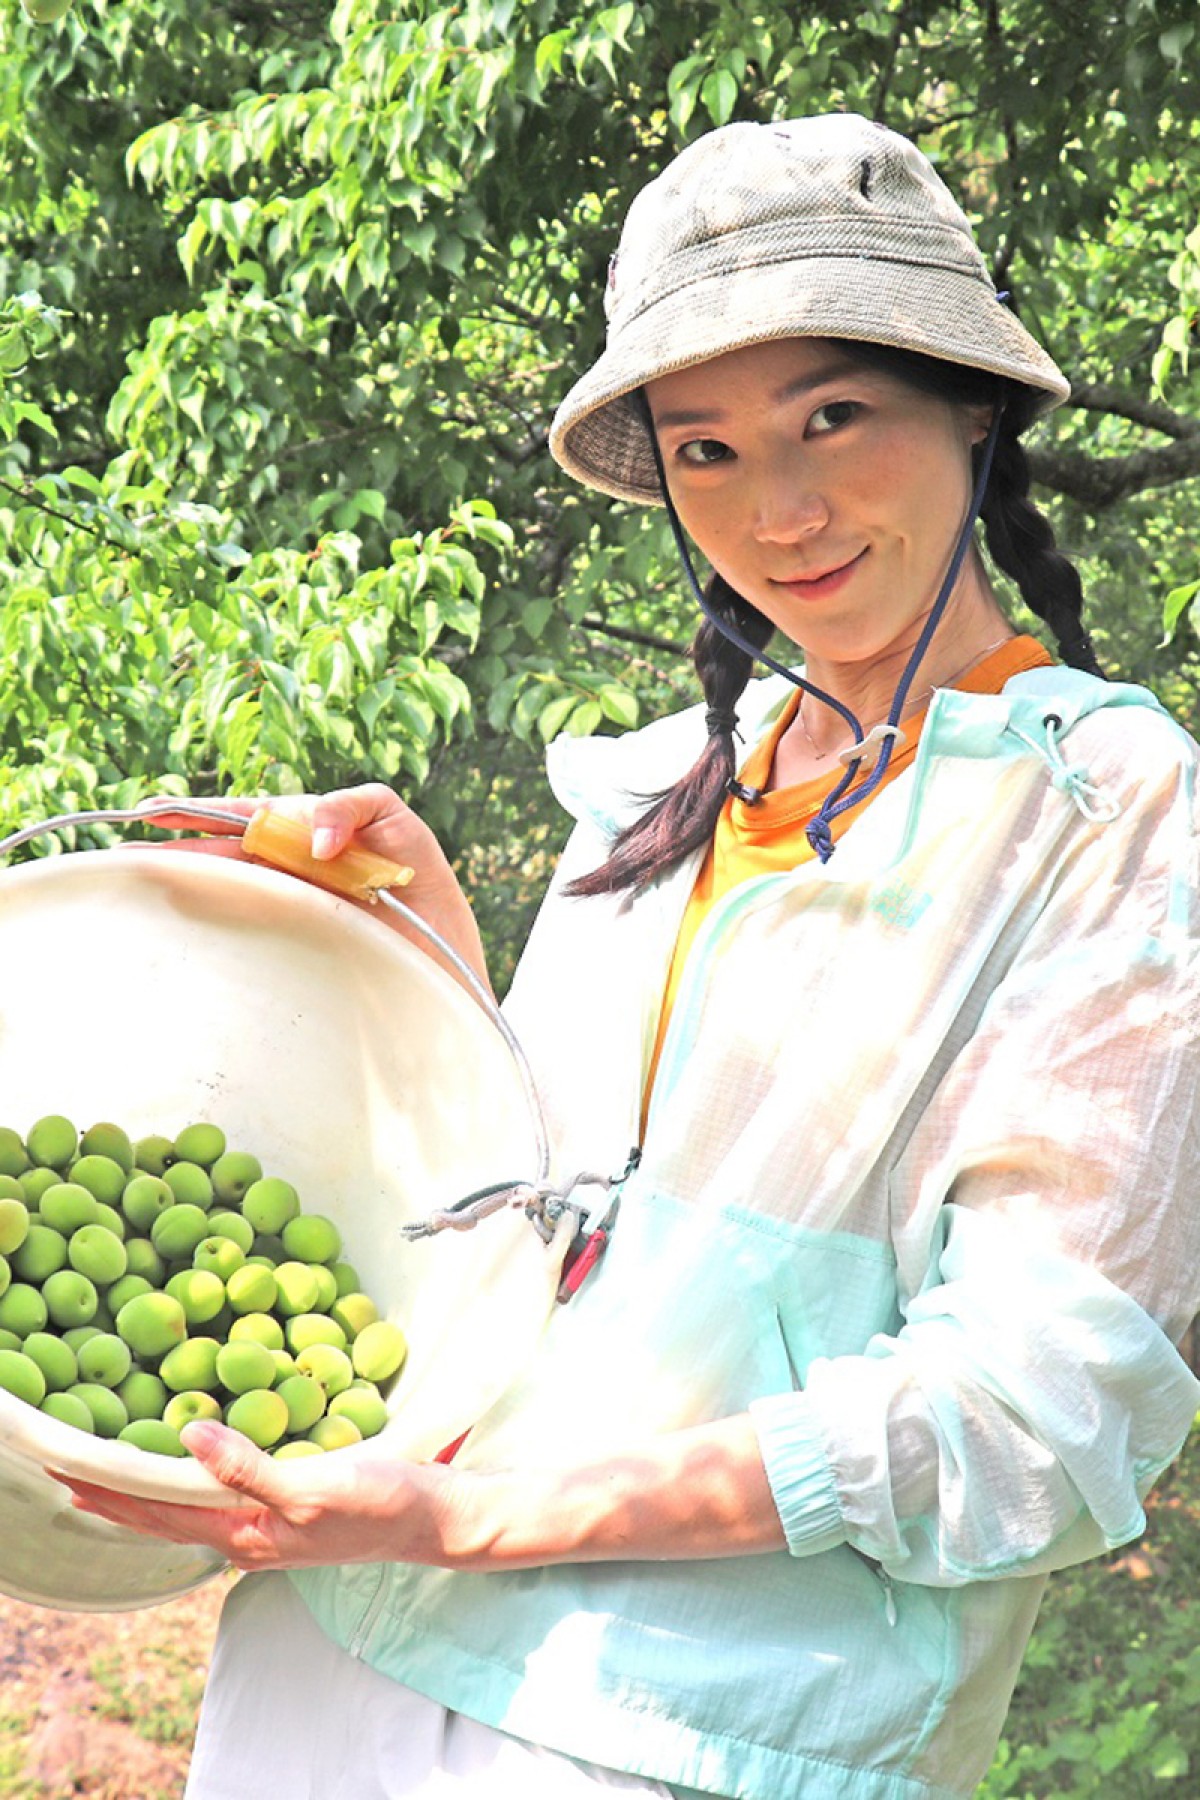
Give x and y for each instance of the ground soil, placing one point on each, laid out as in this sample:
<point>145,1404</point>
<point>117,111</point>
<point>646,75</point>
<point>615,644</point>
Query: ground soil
<point>102,1704</point>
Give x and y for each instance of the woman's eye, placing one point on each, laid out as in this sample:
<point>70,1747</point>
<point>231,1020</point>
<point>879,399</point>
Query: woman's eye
<point>833,415</point>
<point>702,452</point>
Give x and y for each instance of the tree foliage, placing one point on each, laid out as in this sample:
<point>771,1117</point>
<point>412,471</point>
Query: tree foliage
<point>288,295</point>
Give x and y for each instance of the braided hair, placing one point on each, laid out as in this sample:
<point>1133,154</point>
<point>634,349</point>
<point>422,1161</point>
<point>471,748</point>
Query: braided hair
<point>1019,538</point>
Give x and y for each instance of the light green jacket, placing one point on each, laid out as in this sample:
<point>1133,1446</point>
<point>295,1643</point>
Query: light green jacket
<point>918,1189</point>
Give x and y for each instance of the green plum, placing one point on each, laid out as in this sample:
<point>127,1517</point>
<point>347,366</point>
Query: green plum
<point>67,1206</point>
<point>326,1288</point>
<point>220,1255</point>
<point>144,1199</point>
<point>297,1289</point>
<point>112,1220</point>
<point>269,1205</point>
<point>43,1251</point>
<point>200,1293</point>
<point>56,1359</point>
<point>20,1375</point>
<point>153,1154</point>
<point>378,1350</point>
<point>365,1406</point>
<point>352,1311</point>
<point>252,1289</point>
<point>335,1433</point>
<point>346,1279</point>
<point>108,1140</point>
<point>181,1409</point>
<point>14,1224</point>
<point>34,1183</point>
<point>176,1232</point>
<point>152,1324</point>
<point>69,1409</point>
<point>192,1365</point>
<point>106,1359</point>
<point>244,1366</point>
<point>124,1289</point>
<point>143,1395</point>
<point>101,1176</point>
<point>261,1327</point>
<point>71,1299</point>
<point>328,1365</point>
<point>313,1328</point>
<point>52,1141</point>
<point>14,1158</point>
<point>312,1238</point>
<point>190,1185</point>
<point>202,1144</point>
<point>304,1399</point>
<point>233,1174</point>
<point>260,1414</point>
<point>96,1253</point>
<point>144,1260</point>
<point>224,1223</point>
<point>154,1435</point>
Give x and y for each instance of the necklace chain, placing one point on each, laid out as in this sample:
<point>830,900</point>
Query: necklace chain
<point>958,673</point>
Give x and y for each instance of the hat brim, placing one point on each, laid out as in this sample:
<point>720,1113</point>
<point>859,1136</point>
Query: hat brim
<point>598,435</point>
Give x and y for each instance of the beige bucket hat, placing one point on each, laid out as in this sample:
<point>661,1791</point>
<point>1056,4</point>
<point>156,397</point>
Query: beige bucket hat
<point>821,227</point>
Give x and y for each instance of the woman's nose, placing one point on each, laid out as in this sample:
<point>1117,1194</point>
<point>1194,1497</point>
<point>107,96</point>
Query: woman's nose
<point>789,508</point>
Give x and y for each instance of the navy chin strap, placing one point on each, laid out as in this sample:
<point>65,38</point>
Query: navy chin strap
<point>844,794</point>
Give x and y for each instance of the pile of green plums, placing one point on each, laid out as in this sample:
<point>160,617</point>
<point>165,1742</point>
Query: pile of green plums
<point>147,1283</point>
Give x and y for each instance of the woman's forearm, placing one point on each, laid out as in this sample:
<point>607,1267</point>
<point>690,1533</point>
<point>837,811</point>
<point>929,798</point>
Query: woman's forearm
<point>701,1492</point>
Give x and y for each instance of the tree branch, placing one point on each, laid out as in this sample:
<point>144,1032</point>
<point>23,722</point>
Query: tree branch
<point>1097,396</point>
<point>1097,482</point>
<point>888,66</point>
<point>646,639</point>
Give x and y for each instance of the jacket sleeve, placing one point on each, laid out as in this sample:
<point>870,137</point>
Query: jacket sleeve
<point>1015,1421</point>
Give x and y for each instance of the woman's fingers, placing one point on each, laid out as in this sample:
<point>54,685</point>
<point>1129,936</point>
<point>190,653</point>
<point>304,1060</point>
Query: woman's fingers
<point>235,1462</point>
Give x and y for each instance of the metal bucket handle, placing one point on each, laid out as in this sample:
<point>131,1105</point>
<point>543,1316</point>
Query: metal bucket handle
<point>543,1203</point>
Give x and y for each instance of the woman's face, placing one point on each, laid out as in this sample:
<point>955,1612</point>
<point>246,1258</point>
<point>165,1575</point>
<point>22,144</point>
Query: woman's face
<point>828,495</point>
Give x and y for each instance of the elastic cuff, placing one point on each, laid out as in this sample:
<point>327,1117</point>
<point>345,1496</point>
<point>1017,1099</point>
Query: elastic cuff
<point>799,1472</point>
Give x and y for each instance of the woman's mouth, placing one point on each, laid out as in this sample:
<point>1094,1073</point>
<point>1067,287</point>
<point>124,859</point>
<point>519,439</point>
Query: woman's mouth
<point>820,585</point>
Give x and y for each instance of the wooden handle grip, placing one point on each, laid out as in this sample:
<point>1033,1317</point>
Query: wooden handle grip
<point>286,843</point>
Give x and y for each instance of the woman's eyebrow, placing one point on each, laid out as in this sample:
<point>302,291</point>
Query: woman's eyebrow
<point>791,390</point>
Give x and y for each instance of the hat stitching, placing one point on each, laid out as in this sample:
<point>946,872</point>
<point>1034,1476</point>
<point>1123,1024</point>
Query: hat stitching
<point>665,288</point>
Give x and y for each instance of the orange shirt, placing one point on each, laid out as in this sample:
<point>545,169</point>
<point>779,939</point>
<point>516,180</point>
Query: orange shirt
<point>769,835</point>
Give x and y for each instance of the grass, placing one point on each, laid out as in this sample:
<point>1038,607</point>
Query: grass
<point>1108,1703</point>
<point>156,1692</point>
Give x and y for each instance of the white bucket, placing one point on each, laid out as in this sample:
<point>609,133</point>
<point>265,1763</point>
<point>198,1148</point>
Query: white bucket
<point>156,989</point>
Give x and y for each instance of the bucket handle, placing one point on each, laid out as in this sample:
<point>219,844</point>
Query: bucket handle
<point>543,1203</point>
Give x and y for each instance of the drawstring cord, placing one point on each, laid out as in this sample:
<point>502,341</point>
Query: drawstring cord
<point>1070,778</point>
<point>839,799</point>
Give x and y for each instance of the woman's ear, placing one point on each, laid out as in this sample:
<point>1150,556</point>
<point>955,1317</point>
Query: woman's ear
<point>979,419</point>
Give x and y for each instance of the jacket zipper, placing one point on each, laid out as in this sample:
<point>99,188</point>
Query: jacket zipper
<point>366,1624</point>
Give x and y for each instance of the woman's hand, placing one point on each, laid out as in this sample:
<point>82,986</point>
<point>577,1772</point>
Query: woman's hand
<point>326,1509</point>
<point>699,1492</point>
<point>375,818</point>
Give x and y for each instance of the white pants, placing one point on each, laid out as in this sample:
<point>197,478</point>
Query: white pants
<point>289,1713</point>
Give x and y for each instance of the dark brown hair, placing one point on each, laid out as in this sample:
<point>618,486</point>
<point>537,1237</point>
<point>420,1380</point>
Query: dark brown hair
<point>1019,538</point>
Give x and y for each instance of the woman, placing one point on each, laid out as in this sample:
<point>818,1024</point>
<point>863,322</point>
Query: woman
<point>902,1027</point>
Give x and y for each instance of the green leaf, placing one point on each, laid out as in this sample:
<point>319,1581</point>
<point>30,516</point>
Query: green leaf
<point>620,706</point>
<point>584,719</point>
<point>1175,605</point>
<point>719,95</point>
<point>553,717</point>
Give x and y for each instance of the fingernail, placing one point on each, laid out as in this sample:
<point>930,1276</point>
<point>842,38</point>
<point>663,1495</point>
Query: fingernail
<point>199,1435</point>
<point>325,842</point>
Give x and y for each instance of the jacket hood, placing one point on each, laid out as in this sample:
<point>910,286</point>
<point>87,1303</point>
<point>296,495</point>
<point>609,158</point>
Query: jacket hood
<point>608,781</point>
